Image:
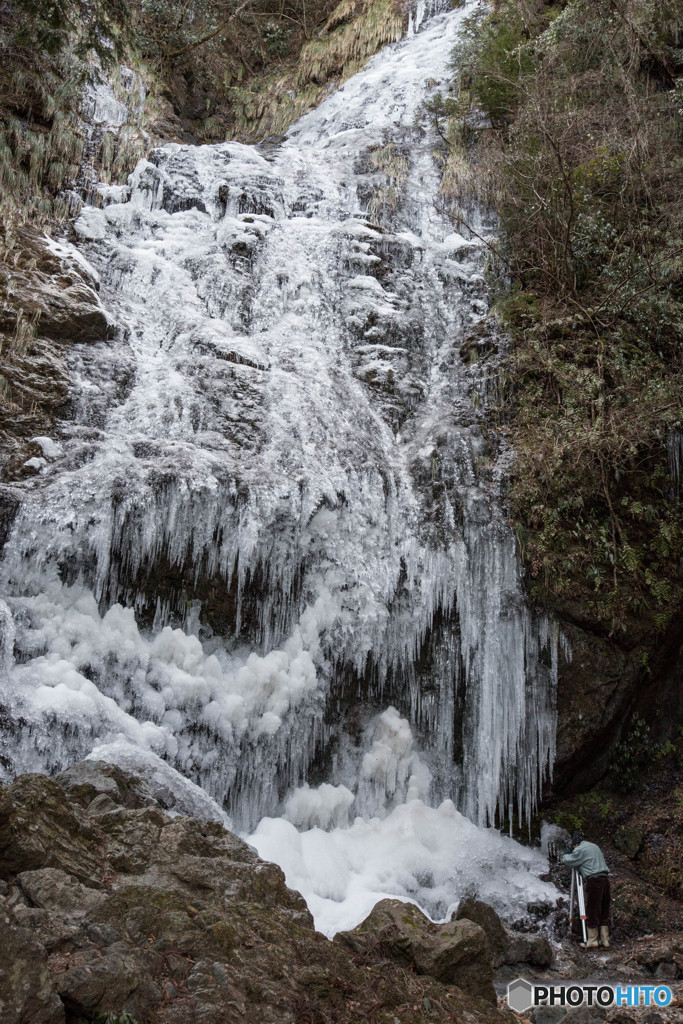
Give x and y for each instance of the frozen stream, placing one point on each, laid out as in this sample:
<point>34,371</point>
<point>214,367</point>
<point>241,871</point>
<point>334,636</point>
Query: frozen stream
<point>268,551</point>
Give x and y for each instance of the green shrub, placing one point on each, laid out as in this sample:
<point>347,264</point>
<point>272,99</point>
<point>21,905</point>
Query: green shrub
<point>494,59</point>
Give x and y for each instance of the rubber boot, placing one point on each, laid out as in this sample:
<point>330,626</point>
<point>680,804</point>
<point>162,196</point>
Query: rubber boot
<point>604,935</point>
<point>592,941</point>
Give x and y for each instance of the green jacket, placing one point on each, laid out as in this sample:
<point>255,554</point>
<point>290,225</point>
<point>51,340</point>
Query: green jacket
<point>588,860</point>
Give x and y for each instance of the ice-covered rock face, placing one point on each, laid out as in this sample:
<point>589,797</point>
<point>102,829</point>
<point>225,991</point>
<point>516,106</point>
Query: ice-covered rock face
<point>274,512</point>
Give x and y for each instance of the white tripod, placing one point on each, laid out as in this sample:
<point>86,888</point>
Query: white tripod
<point>577,888</point>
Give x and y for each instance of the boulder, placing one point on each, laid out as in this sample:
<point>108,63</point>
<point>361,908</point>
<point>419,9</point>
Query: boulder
<point>664,960</point>
<point>135,779</point>
<point>485,916</point>
<point>87,781</point>
<point>40,828</point>
<point>63,307</point>
<point>455,953</point>
<point>585,1015</point>
<point>52,889</point>
<point>505,945</point>
<point>629,841</point>
<point>547,1014</point>
<point>118,977</point>
<point>525,948</point>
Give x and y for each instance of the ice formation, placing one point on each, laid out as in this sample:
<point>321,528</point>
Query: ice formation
<point>176,793</point>
<point>429,856</point>
<point>268,545</point>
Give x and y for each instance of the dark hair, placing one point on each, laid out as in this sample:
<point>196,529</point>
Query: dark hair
<point>577,837</point>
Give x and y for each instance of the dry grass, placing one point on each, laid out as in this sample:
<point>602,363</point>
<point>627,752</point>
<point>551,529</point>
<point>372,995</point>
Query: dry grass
<point>355,31</point>
<point>394,166</point>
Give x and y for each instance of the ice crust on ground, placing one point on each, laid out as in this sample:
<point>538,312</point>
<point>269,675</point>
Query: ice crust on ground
<point>273,537</point>
<point>432,857</point>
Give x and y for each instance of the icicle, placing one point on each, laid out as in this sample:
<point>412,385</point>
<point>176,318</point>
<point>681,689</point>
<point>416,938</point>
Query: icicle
<point>235,468</point>
<point>675,453</point>
<point>7,635</point>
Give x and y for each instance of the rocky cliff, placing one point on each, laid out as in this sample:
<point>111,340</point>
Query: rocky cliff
<point>109,904</point>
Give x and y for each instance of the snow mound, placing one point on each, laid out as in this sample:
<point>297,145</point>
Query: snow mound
<point>432,857</point>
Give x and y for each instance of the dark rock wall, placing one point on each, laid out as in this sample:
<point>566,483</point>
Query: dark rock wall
<point>601,690</point>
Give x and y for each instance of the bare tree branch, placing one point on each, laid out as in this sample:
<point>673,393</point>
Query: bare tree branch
<point>210,35</point>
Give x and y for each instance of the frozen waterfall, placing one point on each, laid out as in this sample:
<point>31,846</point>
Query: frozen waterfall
<point>268,545</point>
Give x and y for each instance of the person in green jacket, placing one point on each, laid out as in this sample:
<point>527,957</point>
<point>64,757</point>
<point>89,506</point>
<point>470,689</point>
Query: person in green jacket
<point>588,860</point>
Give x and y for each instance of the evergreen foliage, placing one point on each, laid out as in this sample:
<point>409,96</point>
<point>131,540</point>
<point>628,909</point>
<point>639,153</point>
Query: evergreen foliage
<point>53,26</point>
<point>572,118</point>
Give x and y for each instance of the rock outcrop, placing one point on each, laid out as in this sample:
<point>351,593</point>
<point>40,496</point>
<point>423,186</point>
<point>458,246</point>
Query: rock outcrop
<point>110,905</point>
<point>505,946</point>
<point>48,301</point>
<point>54,289</point>
<point>455,953</point>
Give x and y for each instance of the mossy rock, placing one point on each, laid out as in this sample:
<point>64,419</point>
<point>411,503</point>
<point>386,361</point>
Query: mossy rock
<point>629,841</point>
<point>199,928</point>
<point>456,953</point>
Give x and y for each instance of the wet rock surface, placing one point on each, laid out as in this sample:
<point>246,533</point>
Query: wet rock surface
<point>109,904</point>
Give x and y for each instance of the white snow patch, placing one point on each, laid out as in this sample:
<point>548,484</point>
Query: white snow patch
<point>51,449</point>
<point>429,856</point>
